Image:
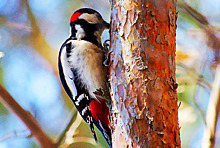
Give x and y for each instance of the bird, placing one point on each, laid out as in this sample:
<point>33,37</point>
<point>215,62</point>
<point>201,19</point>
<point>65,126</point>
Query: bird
<point>82,72</point>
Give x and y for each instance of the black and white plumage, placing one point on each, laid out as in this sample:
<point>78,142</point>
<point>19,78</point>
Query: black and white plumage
<point>82,71</point>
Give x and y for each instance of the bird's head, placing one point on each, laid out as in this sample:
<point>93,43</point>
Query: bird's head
<point>87,24</point>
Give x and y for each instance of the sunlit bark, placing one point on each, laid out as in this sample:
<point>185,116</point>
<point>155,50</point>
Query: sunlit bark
<point>142,74</point>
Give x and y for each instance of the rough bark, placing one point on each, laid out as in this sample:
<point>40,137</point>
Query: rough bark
<point>142,73</point>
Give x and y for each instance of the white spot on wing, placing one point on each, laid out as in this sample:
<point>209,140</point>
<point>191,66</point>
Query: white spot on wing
<point>79,99</point>
<point>84,110</point>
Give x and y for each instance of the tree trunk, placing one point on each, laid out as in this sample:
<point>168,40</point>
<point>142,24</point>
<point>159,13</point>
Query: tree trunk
<point>142,74</point>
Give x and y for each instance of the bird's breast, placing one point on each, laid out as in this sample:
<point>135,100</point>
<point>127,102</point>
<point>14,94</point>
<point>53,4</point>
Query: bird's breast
<point>88,61</point>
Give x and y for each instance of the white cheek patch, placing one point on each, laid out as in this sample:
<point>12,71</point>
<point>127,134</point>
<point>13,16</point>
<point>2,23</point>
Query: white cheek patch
<point>80,33</point>
<point>91,18</point>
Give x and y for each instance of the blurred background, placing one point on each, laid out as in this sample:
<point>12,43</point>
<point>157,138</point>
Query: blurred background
<point>31,33</point>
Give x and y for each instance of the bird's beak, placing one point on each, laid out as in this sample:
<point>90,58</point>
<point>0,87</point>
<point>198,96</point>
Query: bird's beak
<point>107,25</point>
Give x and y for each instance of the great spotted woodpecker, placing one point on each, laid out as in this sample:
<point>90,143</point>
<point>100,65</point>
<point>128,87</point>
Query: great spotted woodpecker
<point>82,71</point>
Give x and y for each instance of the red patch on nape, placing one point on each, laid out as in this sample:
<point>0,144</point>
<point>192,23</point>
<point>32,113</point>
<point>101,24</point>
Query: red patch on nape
<point>75,16</point>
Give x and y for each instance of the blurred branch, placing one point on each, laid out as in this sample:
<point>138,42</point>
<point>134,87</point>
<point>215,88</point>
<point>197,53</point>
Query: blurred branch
<point>83,139</point>
<point>199,81</point>
<point>194,13</point>
<point>15,24</point>
<point>27,118</point>
<point>202,113</point>
<point>38,41</point>
<point>72,130</point>
<point>16,133</point>
<point>213,40</point>
<point>198,77</point>
<point>63,134</point>
<point>212,113</point>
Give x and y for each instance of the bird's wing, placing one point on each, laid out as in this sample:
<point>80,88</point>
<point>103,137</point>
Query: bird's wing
<point>66,74</point>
